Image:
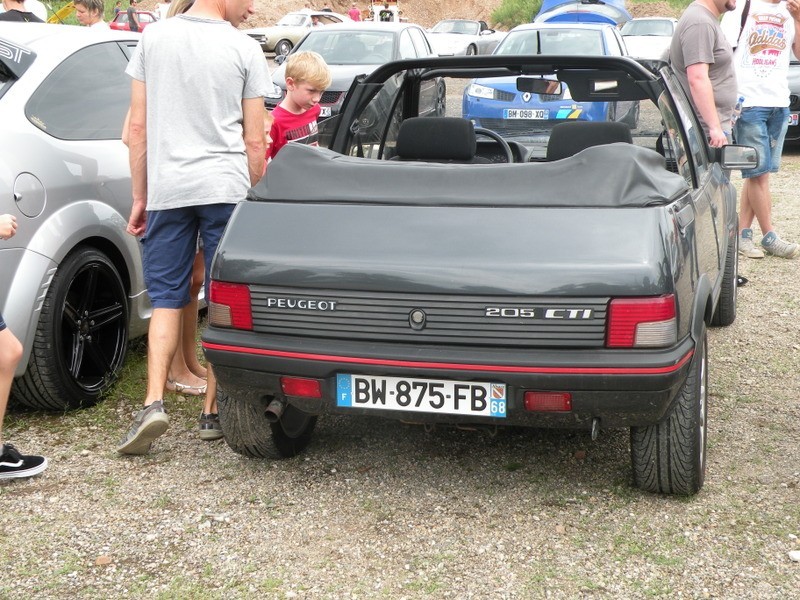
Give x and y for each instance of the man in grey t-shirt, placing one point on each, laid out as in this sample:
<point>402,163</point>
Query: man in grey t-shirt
<point>197,143</point>
<point>702,60</point>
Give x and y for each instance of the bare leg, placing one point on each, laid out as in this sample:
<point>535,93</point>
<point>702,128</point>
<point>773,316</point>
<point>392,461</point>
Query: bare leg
<point>10,354</point>
<point>189,339</point>
<point>210,405</point>
<point>163,336</point>
<point>756,202</point>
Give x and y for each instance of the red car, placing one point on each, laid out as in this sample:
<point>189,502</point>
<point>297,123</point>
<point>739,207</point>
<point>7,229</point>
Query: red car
<point>121,20</point>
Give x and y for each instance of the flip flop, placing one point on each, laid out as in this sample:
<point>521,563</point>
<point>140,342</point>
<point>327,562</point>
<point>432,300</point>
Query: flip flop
<point>182,388</point>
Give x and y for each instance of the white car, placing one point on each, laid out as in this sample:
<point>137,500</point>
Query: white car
<point>463,37</point>
<point>284,35</point>
<point>649,37</point>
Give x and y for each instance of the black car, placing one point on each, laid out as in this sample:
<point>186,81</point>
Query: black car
<point>416,272</point>
<point>357,49</point>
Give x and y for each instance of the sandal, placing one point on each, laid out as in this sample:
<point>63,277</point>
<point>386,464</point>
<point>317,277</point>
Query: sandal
<point>189,390</point>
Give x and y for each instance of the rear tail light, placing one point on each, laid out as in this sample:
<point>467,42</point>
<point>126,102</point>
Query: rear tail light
<point>298,386</point>
<point>229,305</point>
<point>642,322</point>
<point>548,401</point>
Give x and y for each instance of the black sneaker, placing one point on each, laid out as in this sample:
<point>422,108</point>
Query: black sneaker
<point>13,464</point>
<point>210,428</point>
<point>148,424</point>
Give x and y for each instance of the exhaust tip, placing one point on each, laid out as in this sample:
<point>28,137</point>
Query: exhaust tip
<point>274,411</point>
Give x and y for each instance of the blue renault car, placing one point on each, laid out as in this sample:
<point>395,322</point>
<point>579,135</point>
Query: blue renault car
<point>499,105</point>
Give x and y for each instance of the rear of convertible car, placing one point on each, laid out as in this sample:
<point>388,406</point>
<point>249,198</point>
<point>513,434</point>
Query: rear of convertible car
<point>465,315</point>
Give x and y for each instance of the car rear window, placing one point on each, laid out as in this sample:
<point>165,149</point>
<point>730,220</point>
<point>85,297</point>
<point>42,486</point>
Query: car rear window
<point>62,108</point>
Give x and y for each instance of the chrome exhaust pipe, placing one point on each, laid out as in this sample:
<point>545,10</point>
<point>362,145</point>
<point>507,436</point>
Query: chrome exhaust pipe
<point>274,410</point>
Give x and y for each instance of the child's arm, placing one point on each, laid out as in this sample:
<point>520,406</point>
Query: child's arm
<point>8,226</point>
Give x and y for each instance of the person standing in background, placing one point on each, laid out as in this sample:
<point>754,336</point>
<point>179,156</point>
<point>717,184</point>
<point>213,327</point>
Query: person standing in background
<point>16,11</point>
<point>354,13</point>
<point>764,33</point>
<point>133,20</point>
<point>90,13</point>
<point>702,60</point>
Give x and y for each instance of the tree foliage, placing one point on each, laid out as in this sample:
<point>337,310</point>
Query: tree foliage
<point>515,12</point>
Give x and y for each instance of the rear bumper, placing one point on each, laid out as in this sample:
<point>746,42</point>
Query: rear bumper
<point>621,388</point>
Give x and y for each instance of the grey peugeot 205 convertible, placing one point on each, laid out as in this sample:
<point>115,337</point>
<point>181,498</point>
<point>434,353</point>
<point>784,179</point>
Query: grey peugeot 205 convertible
<point>539,269</point>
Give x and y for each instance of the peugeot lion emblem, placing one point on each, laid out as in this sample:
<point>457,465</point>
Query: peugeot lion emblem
<point>417,319</point>
<point>526,97</point>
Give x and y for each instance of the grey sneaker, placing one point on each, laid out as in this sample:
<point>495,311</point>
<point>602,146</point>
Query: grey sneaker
<point>747,246</point>
<point>778,247</point>
<point>210,428</point>
<point>148,424</point>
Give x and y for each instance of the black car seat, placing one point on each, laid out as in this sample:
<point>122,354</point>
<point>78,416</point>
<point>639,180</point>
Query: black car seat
<point>437,139</point>
<point>571,137</point>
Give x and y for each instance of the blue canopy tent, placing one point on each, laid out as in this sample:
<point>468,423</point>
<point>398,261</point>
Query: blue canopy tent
<point>583,11</point>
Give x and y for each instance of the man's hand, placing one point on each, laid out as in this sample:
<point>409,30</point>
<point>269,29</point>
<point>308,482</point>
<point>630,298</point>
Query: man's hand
<point>717,138</point>
<point>137,222</point>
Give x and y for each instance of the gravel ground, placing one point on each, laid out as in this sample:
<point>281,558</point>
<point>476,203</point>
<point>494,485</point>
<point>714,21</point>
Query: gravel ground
<point>378,509</point>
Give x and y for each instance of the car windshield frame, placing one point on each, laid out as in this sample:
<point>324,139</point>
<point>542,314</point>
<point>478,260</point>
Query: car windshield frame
<point>553,41</point>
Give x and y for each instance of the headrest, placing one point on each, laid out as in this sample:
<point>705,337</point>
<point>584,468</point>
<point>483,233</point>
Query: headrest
<point>569,138</point>
<point>436,138</point>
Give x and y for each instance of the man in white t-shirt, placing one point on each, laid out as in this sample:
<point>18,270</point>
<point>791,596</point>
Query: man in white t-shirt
<point>763,33</point>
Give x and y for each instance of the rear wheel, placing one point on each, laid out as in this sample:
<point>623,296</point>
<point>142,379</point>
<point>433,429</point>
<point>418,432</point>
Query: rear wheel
<point>283,47</point>
<point>725,312</point>
<point>81,338</point>
<point>248,432</point>
<point>670,457</point>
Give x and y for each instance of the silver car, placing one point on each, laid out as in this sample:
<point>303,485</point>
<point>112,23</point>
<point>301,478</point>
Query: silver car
<point>73,290</point>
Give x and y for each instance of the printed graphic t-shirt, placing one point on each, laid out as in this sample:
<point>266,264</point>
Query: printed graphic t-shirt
<point>289,127</point>
<point>763,54</point>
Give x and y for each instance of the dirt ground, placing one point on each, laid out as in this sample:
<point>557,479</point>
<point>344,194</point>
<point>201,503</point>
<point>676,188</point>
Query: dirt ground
<point>423,12</point>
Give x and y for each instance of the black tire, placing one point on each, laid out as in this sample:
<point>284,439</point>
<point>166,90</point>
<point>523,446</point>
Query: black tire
<point>670,457</point>
<point>725,312</point>
<point>441,99</point>
<point>471,50</point>
<point>248,432</point>
<point>283,47</point>
<point>82,336</point>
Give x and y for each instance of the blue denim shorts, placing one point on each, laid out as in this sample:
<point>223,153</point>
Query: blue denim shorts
<point>764,129</point>
<point>169,246</point>
<point>2,323</point>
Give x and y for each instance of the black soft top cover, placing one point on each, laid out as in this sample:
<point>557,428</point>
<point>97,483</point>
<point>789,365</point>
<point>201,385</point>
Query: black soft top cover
<point>612,175</point>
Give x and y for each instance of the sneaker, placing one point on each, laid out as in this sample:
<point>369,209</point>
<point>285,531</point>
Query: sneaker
<point>747,246</point>
<point>210,428</point>
<point>148,424</point>
<point>777,247</point>
<point>14,465</point>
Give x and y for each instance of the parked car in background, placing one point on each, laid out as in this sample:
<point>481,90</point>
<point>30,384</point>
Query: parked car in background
<point>72,288</point>
<point>284,35</point>
<point>649,37</point>
<point>392,276</point>
<point>497,104</point>
<point>793,133</point>
<point>359,48</point>
<point>462,36</point>
<point>120,22</point>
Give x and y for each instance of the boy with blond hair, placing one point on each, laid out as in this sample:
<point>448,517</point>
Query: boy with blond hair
<point>295,118</point>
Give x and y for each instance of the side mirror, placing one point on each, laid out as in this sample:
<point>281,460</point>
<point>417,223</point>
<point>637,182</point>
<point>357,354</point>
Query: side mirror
<point>536,85</point>
<point>487,32</point>
<point>734,156</point>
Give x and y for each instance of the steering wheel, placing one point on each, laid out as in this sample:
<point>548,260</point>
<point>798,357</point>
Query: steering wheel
<point>497,138</point>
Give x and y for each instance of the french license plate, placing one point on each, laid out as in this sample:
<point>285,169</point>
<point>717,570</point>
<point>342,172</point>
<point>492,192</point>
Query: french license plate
<point>476,399</point>
<point>793,118</point>
<point>526,113</point>
<point>324,111</point>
